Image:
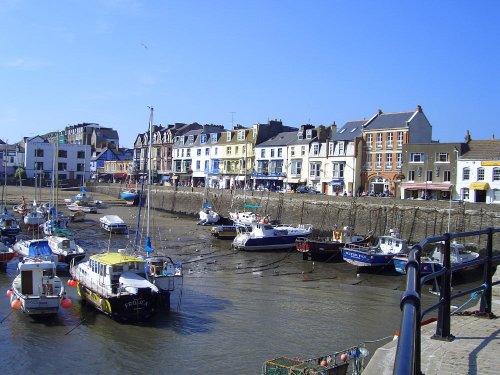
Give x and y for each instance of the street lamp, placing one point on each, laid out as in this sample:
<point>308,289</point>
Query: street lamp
<point>451,187</point>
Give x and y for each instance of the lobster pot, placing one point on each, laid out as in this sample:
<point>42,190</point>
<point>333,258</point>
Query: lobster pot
<point>308,368</point>
<point>290,366</point>
<point>280,366</point>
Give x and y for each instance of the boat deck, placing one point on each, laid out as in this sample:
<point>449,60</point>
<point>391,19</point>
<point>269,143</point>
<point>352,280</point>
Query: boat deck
<point>473,351</point>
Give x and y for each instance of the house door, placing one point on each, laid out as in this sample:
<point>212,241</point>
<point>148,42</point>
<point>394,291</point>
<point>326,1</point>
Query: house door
<point>480,196</point>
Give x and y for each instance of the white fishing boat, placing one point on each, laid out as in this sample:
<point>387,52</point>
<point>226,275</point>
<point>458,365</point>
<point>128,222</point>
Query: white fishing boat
<point>116,284</point>
<point>265,236</point>
<point>207,215</point>
<point>245,217</point>
<point>37,290</point>
<point>35,216</point>
<point>66,249</point>
<point>36,248</point>
<point>113,224</point>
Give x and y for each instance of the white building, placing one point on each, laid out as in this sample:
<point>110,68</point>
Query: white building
<point>71,162</point>
<point>478,177</point>
<point>343,170</point>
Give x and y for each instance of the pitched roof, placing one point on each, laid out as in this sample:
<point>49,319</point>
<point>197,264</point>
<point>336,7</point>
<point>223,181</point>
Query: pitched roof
<point>280,139</point>
<point>390,120</point>
<point>482,150</point>
<point>349,131</point>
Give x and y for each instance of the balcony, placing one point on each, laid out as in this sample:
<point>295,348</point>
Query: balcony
<point>367,167</point>
<point>389,145</point>
<point>378,144</point>
<point>388,166</point>
<point>378,166</point>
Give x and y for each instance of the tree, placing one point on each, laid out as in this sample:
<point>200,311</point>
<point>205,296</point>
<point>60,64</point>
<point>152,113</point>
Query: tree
<point>20,173</point>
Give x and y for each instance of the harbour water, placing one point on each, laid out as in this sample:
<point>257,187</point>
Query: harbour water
<point>234,310</point>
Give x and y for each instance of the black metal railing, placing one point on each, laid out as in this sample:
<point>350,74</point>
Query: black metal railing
<point>408,356</point>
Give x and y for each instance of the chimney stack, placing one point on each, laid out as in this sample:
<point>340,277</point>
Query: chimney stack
<point>467,137</point>
<point>333,128</point>
<point>419,108</point>
<point>380,111</point>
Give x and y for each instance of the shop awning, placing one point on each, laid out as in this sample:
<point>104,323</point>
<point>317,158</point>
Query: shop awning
<point>421,186</point>
<point>337,182</point>
<point>479,185</point>
<point>165,178</point>
<point>119,175</point>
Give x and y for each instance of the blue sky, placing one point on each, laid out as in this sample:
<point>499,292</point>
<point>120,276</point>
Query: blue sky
<point>69,62</point>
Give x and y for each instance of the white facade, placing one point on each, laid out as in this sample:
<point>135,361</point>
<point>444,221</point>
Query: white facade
<point>72,160</point>
<point>342,169</point>
<point>478,181</point>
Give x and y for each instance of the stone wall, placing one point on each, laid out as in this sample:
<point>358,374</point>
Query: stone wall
<point>415,219</point>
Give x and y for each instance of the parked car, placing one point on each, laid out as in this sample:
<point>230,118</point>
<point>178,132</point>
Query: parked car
<point>307,190</point>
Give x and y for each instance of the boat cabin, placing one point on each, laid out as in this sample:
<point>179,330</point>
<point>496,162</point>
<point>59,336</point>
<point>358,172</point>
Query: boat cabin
<point>105,271</point>
<point>392,245</point>
<point>37,278</point>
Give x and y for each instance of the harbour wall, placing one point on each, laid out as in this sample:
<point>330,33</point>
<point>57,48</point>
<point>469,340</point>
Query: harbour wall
<point>414,219</point>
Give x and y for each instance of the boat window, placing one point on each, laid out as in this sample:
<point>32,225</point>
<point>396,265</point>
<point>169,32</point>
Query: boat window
<point>389,242</point>
<point>65,244</point>
<point>48,272</point>
<point>382,241</point>
<point>268,226</point>
<point>118,268</point>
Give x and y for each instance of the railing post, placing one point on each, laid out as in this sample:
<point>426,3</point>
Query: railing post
<point>444,318</point>
<point>485,304</point>
<point>418,328</point>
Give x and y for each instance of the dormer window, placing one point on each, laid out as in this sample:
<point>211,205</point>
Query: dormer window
<point>300,135</point>
<point>309,133</point>
<point>241,135</point>
<point>191,139</point>
<point>213,137</point>
<point>203,139</point>
<point>228,136</point>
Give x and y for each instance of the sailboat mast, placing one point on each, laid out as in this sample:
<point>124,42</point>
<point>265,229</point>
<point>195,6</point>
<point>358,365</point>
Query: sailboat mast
<point>150,165</point>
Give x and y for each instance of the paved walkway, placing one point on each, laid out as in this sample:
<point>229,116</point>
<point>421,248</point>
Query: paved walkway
<point>475,350</point>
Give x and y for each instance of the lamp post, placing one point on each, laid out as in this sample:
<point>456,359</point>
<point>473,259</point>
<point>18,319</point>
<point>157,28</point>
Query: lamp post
<point>451,188</point>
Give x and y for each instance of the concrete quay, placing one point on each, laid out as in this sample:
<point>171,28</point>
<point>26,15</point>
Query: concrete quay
<point>475,349</point>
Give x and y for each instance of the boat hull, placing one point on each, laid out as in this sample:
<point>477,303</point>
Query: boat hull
<point>7,256</point>
<point>318,250</point>
<point>367,259</point>
<point>123,308</point>
<point>38,305</point>
<point>267,243</point>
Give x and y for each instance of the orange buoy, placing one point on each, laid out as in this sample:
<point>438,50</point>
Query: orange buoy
<point>344,357</point>
<point>323,363</point>
<point>66,303</point>
<point>9,293</point>
<point>16,304</point>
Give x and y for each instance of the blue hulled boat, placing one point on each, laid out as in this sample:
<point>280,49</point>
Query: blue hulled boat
<point>376,256</point>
